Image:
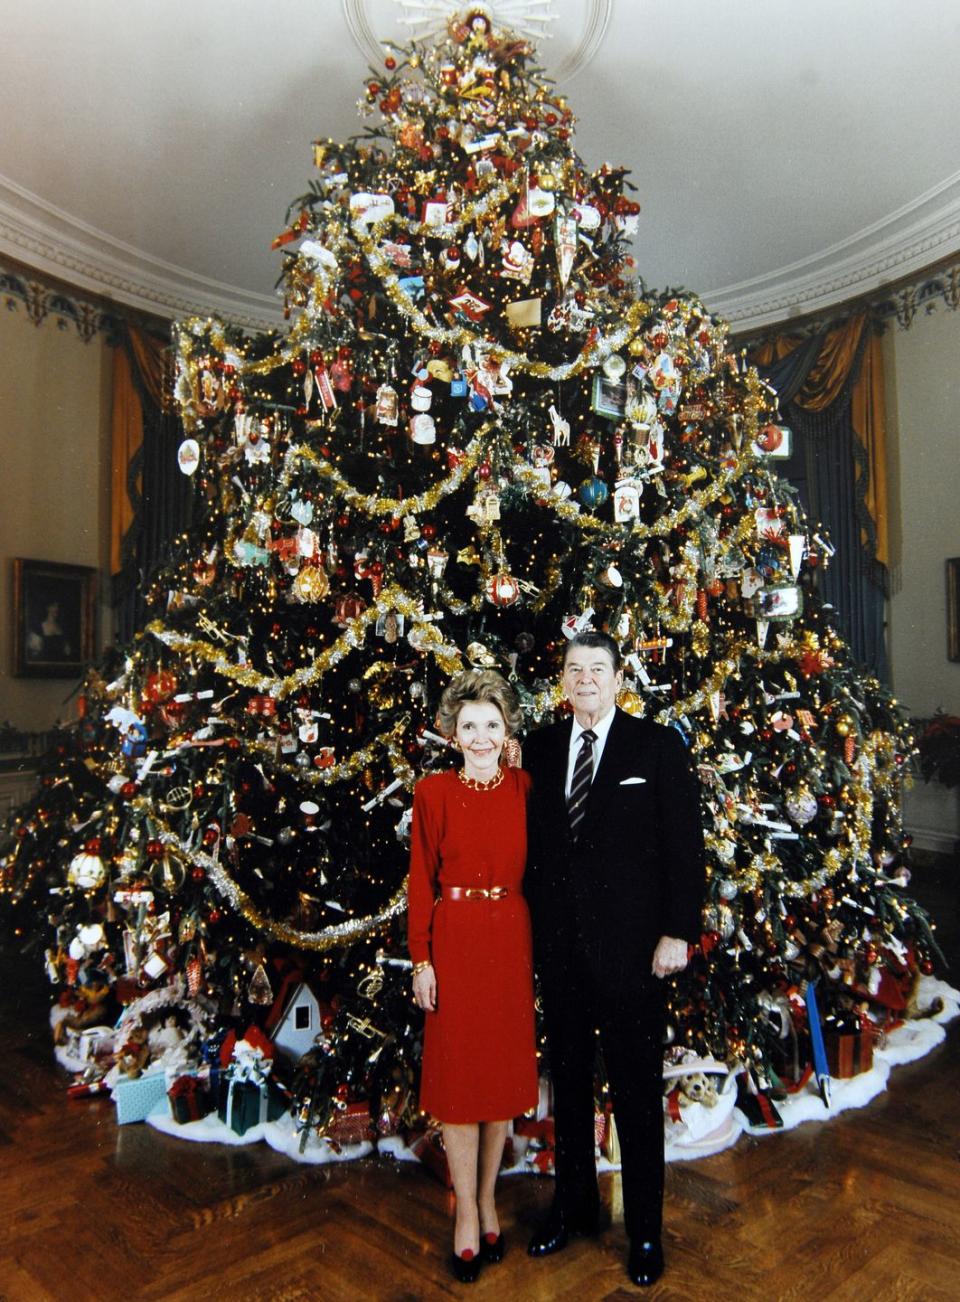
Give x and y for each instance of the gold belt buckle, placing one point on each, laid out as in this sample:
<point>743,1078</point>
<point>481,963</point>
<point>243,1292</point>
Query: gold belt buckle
<point>475,893</point>
<point>497,892</point>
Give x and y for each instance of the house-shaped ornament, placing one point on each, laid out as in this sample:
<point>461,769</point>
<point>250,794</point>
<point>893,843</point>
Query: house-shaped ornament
<point>295,1020</point>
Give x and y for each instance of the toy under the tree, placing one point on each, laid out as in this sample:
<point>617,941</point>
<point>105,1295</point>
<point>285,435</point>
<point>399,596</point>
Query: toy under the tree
<point>477,433</point>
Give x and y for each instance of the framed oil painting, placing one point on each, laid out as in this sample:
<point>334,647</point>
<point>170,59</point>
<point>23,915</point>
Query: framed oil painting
<point>54,616</point>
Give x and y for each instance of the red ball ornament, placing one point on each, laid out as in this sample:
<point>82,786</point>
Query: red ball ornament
<point>214,916</point>
<point>484,470</point>
<point>197,874</point>
<point>93,845</point>
<point>827,801</point>
<point>211,834</point>
<point>390,63</point>
<point>128,790</point>
<point>154,849</point>
<point>429,531</point>
<point>502,589</point>
<point>198,790</point>
<point>926,966</point>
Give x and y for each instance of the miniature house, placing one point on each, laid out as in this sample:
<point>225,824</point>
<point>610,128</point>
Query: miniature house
<point>294,1023</point>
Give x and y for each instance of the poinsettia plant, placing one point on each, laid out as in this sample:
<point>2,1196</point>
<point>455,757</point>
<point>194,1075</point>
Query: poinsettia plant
<point>939,749</point>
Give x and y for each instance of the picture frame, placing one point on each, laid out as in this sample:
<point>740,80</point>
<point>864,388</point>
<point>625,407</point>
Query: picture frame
<point>54,618</point>
<point>775,442</point>
<point>780,601</point>
<point>608,397</point>
<point>953,608</point>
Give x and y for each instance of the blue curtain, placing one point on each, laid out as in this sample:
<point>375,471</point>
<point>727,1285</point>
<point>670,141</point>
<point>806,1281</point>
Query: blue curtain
<point>829,469</point>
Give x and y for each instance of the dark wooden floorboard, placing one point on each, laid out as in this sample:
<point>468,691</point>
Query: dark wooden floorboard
<point>864,1206</point>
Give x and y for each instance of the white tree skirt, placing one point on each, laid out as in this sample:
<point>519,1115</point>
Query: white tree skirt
<point>700,1132</point>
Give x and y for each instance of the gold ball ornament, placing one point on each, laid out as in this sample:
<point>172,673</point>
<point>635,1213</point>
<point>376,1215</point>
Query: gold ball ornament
<point>631,703</point>
<point>311,584</point>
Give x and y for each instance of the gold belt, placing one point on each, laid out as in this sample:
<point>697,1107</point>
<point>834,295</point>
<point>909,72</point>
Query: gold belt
<point>473,892</point>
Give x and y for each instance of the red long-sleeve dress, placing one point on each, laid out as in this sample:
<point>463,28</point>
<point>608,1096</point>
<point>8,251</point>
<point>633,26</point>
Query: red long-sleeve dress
<point>479,1053</point>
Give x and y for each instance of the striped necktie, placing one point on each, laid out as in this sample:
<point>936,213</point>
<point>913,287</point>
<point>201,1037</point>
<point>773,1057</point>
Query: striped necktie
<point>580,783</point>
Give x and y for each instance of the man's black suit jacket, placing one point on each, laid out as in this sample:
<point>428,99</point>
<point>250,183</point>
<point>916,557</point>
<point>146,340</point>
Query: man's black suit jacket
<point>636,870</point>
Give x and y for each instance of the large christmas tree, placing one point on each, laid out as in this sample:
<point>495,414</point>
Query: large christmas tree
<point>478,432</point>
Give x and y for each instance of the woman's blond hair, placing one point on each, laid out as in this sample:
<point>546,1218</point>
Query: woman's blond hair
<point>478,685</point>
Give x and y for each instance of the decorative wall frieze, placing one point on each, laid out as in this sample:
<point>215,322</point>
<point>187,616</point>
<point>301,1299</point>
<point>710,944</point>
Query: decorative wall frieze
<point>41,302</point>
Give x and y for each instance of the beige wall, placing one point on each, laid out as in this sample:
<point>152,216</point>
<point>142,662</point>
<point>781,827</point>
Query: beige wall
<point>923,409</point>
<point>54,481</point>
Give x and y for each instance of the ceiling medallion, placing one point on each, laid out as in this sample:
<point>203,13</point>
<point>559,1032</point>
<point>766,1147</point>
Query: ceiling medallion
<point>428,19</point>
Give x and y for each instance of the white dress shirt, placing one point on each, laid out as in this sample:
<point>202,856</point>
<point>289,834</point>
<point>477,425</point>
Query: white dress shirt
<point>601,729</point>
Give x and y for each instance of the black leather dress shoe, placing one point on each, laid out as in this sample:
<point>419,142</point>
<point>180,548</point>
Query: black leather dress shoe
<point>558,1229</point>
<point>492,1248</point>
<point>645,1263</point>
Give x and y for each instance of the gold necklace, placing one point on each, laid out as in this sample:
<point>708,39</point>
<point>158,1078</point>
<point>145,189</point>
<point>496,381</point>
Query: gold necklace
<point>476,785</point>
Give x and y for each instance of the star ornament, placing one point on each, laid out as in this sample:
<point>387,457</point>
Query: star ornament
<point>431,18</point>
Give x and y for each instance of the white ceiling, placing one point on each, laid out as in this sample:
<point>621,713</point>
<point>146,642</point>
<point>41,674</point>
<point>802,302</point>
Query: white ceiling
<point>788,153</point>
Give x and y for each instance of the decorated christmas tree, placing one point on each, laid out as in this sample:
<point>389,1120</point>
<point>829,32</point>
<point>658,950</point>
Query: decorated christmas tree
<point>477,433</point>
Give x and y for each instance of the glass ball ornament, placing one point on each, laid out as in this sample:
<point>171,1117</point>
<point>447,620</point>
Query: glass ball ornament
<point>593,492</point>
<point>87,871</point>
<point>801,806</point>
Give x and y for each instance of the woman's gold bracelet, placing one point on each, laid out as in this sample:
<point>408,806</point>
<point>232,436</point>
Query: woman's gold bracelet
<point>421,967</point>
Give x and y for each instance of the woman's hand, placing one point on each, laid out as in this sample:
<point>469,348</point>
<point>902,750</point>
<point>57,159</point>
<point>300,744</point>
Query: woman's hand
<point>670,956</point>
<point>425,989</point>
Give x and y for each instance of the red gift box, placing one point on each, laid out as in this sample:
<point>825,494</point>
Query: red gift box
<point>428,1147</point>
<point>352,1125</point>
<point>848,1052</point>
<point>189,1101</point>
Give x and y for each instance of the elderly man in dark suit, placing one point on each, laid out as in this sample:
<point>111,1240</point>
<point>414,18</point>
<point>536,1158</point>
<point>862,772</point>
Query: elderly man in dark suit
<point>615,882</point>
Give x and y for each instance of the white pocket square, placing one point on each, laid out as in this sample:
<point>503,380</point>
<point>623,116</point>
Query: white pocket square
<point>629,781</point>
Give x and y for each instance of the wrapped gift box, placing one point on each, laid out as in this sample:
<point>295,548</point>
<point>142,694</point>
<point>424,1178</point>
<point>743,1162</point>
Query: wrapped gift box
<point>135,1099</point>
<point>428,1147</point>
<point>351,1125</point>
<point>189,1099</point>
<point>245,1103</point>
<point>849,1052</point>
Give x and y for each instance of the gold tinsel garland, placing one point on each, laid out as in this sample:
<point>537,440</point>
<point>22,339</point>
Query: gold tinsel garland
<point>393,599</point>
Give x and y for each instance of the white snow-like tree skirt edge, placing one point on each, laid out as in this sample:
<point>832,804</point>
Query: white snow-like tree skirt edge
<point>701,1131</point>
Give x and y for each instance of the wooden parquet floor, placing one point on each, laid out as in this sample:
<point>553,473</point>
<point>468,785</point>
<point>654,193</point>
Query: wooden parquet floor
<point>864,1207</point>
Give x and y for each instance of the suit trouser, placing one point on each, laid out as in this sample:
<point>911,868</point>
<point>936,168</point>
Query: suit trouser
<point>631,1038</point>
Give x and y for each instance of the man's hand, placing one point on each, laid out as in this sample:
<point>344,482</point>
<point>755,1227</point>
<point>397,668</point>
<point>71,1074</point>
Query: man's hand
<point>670,956</point>
<point>425,990</point>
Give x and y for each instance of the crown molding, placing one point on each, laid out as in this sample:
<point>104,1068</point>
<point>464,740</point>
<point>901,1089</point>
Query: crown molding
<point>916,236</point>
<point>45,237</point>
<point>40,235</point>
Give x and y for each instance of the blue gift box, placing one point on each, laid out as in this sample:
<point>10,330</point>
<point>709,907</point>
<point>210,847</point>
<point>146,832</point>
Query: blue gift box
<point>136,1099</point>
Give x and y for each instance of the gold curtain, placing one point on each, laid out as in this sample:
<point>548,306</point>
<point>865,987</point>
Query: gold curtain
<point>823,384</point>
<point>149,357</point>
<point>127,438</point>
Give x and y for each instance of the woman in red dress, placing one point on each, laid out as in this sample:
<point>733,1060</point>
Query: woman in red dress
<point>469,935</point>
